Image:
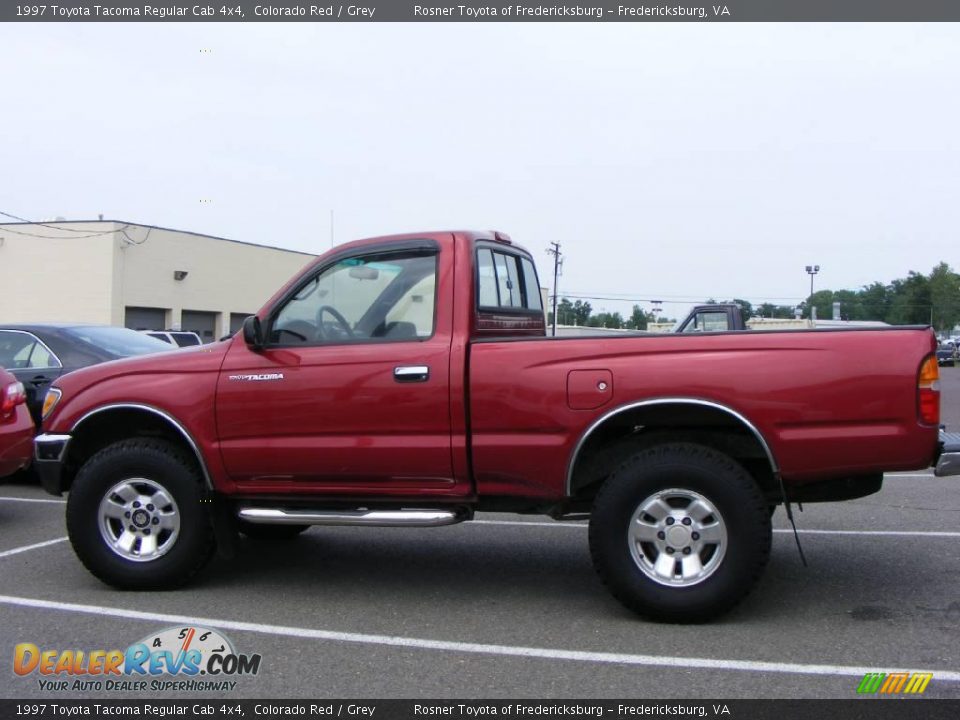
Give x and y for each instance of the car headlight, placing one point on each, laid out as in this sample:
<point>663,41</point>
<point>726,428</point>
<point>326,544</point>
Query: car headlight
<point>50,402</point>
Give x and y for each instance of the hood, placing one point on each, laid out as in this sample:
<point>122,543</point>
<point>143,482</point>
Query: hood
<point>196,359</point>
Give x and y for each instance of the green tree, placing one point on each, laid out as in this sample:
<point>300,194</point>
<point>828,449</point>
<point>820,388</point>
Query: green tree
<point>945,297</point>
<point>581,312</point>
<point>875,300</point>
<point>769,310</point>
<point>823,301</point>
<point>637,319</point>
<point>911,300</point>
<point>746,309</point>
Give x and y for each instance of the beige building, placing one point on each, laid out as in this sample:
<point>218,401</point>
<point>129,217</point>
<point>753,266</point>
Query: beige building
<point>139,276</point>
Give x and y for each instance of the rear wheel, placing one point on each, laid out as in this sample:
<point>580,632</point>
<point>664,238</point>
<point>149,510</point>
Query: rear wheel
<point>136,516</point>
<point>680,533</point>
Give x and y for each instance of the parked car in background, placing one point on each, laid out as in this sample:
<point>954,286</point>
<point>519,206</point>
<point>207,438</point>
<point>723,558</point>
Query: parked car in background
<point>946,355</point>
<point>38,354</point>
<point>179,338</point>
<point>16,426</point>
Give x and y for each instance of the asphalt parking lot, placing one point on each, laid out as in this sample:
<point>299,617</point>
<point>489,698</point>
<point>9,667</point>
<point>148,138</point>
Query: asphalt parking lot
<point>511,607</point>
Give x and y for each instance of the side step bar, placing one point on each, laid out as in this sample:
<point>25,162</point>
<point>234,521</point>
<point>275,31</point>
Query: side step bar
<point>379,518</point>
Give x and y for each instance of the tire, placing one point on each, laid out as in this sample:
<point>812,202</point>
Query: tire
<point>655,492</point>
<point>111,496</point>
<point>270,533</point>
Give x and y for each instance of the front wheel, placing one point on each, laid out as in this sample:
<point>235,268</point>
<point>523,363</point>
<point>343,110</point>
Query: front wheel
<point>136,516</point>
<point>680,533</point>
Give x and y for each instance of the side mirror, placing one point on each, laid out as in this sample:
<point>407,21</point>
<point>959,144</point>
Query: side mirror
<point>252,334</point>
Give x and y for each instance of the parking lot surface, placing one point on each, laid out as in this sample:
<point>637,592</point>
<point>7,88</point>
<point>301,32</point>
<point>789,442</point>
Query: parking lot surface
<point>510,607</point>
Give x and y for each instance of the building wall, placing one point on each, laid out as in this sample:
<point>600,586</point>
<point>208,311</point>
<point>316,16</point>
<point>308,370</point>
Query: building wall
<point>92,271</point>
<point>66,275</point>
<point>223,277</point>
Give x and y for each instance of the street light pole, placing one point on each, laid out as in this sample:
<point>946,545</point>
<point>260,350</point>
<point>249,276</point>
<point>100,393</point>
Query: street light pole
<point>811,271</point>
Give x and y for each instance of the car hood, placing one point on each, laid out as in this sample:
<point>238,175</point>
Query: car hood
<point>199,359</point>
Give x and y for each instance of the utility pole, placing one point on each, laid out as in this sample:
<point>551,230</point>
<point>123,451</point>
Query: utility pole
<point>554,250</point>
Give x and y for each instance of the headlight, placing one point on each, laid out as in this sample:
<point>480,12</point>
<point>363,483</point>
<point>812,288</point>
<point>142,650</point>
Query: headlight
<point>50,402</point>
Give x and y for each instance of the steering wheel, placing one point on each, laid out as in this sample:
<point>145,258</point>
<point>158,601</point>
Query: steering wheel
<point>341,321</point>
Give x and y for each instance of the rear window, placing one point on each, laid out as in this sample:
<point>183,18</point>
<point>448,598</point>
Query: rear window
<point>119,342</point>
<point>506,282</point>
<point>185,339</point>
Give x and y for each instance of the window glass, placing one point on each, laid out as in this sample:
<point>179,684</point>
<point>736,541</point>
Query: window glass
<point>507,283</point>
<point>707,322</point>
<point>14,349</point>
<point>412,315</point>
<point>714,322</point>
<point>185,339</point>
<point>488,279</point>
<point>365,298</point>
<point>40,357</point>
<point>533,301</point>
<point>19,350</point>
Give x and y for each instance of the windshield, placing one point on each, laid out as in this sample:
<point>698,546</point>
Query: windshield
<point>119,342</point>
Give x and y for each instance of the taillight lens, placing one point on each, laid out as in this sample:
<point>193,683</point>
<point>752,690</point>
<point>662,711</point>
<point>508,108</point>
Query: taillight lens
<point>13,395</point>
<point>928,391</point>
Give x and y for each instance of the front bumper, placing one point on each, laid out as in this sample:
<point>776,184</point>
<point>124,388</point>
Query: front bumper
<point>49,454</point>
<point>949,461</point>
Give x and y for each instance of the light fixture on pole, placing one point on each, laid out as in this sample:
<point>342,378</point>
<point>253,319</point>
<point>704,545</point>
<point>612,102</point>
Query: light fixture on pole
<point>811,271</point>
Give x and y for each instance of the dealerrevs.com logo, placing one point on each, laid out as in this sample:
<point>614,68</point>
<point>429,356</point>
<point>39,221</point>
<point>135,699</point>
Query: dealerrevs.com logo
<point>176,659</point>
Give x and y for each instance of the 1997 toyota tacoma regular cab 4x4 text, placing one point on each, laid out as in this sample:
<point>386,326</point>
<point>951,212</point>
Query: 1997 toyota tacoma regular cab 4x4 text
<point>407,381</point>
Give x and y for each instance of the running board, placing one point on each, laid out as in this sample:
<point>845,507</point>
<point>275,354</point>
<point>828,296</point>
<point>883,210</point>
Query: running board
<point>379,518</point>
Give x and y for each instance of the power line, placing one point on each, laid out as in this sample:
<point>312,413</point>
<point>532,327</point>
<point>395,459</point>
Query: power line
<point>121,230</point>
<point>58,237</point>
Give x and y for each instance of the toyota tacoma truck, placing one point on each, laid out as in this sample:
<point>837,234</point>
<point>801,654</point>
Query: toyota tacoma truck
<point>407,381</point>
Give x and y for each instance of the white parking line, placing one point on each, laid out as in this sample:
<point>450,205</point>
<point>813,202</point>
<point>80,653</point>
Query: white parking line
<point>911,475</point>
<point>35,546</point>
<point>784,531</point>
<point>34,500</point>
<point>469,647</point>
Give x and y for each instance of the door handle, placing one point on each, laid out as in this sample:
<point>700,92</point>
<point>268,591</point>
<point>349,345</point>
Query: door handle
<point>411,373</point>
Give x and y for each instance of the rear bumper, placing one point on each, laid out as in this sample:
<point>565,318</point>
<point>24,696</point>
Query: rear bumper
<point>49,453</point>
<point>949,461</point>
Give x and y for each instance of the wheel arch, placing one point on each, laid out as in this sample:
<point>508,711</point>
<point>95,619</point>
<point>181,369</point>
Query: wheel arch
<point>107,424</point>
<point>665,419</point>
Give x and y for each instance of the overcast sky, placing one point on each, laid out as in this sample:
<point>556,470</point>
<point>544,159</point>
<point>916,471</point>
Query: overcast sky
<point>671,161</point>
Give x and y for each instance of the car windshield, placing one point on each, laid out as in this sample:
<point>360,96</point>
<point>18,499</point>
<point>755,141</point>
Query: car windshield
<point>119,342</point>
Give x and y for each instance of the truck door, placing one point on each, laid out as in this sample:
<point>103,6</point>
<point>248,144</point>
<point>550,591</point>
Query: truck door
<point>351,391</point>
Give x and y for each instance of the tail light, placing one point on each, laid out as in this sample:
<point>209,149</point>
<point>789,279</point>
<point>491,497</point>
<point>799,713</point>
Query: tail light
<point>928,391</point>
<point>13,395</point>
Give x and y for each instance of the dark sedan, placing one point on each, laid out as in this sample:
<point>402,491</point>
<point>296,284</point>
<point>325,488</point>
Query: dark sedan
<point>946,356</point>
<point>40,353</point>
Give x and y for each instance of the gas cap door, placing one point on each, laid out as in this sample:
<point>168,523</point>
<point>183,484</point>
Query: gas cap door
<point>589,389</point>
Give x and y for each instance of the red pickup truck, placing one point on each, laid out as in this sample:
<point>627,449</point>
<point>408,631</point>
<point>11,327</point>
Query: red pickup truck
<point>408,381</point>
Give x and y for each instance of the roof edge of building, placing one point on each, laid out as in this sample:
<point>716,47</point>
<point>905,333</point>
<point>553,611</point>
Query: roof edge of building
<point>127,223</point>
